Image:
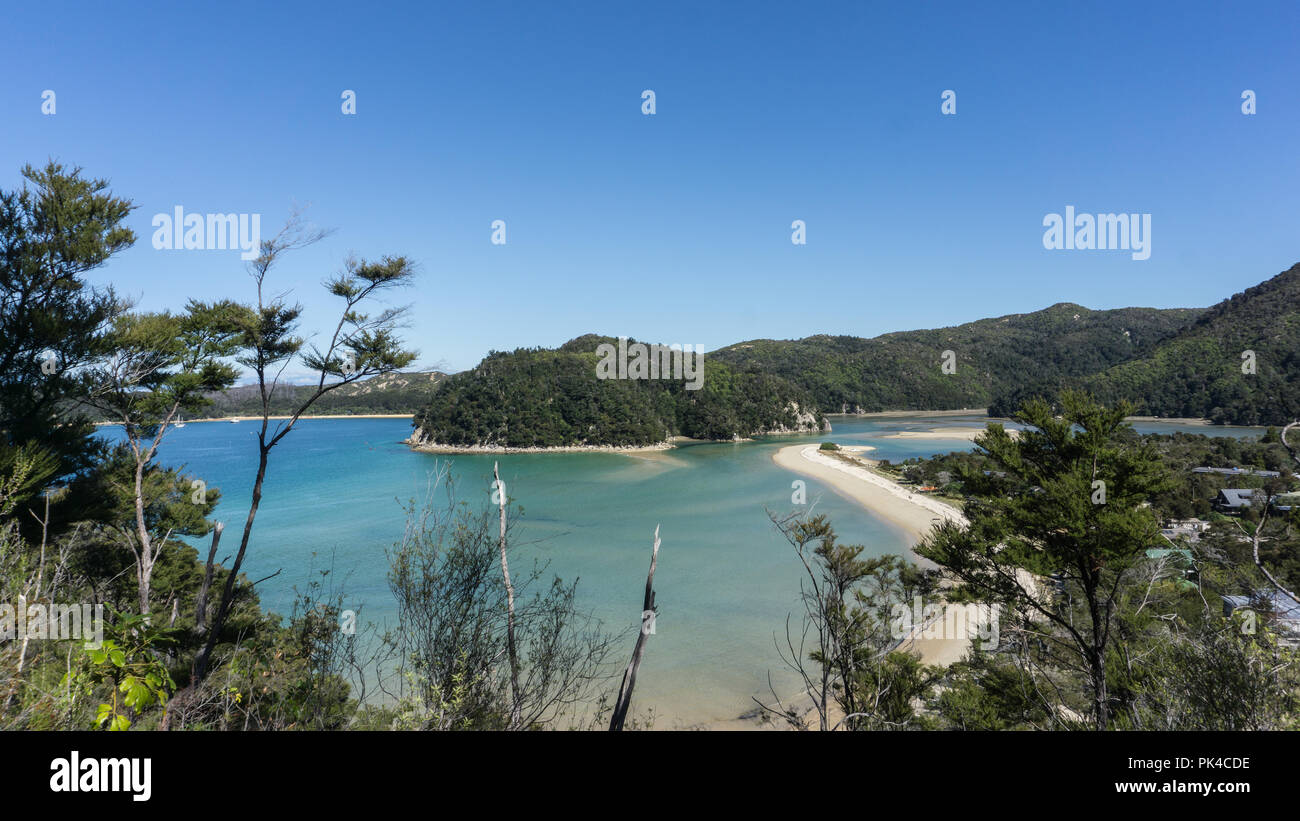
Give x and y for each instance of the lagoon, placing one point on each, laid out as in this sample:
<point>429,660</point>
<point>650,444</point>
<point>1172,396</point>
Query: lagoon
<point>335,490</point>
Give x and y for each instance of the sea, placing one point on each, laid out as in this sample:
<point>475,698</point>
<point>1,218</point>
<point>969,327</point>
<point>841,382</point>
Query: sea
<point>336,491</point>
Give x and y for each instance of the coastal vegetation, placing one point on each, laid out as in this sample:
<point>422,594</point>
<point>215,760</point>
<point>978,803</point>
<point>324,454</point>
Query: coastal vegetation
<point>1108,622</point>
<point>990,358</point>
<point>390,393</point>
<point>1232,363</point>
<point>185,643</point>
<point>552,398</point>
<point>1238,363</point>
<point>1067,503</point>
<point>1188,493</point>
<point>854,674</point>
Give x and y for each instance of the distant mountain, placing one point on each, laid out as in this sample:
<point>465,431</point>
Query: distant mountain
<point>388,393</point>
<point>995,360</point>
<point>1169,362</point>
<point>536,397</point>
<point>1198,372</point>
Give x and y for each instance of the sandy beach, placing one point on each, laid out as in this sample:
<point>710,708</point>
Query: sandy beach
<point>913,513</point>
<point>932,414</point>
<point>966,433</point>
<point>1174,420</point>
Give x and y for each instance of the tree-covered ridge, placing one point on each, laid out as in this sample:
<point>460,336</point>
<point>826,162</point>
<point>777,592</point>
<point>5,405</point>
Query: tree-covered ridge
<point>1168,362</point>
<point>387,393</point>
<point>1199,371</point>
<point>537,397</point>
<point>994,358</point>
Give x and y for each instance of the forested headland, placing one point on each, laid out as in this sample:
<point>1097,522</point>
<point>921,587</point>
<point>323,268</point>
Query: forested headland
<point>1237,363</point>
<point>1115,614</point>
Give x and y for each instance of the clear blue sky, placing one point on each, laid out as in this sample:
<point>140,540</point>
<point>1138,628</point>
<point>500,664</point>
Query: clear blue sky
<point>676,227</point>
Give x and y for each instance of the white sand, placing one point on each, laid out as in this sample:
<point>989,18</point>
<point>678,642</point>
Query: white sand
<point>914,513</point>
<point>968,434</point>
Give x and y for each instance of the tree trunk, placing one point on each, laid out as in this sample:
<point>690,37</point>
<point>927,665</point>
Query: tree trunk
<point>1101,704</point>
<point>201,600</point>
<point>203,660</point>
<point>143,559</point>
<point>516,708</point>
<point>624,701</point>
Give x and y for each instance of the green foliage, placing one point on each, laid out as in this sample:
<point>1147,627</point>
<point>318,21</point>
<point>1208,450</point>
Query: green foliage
<point>294,677</point>
<point>173,508</point>
<point>553,398</point>
<point>1217,677</point>
<point>363,344</point>
<point>849,603</point>
<point>1040,509</point>
<point>994,357</point>
<point>989,691</point>
<point>1067,502</point>
<point>451,638</point>
<point>943,471</point>
<point>126,670</point>
<point>1186,494</point>
<point>1100,631</point>
<point>1198,372</point>
<point>391,393</point>
<point>160,363</point>
<point>54,231</point>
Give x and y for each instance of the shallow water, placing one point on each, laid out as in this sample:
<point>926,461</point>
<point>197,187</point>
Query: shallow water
<point>725,581</point>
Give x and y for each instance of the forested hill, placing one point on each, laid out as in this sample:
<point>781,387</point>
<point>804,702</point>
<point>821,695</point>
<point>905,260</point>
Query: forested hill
<point>1199,371</point>
<point>996,360</point>
<point>389,393</point>
<point>1169,362</point>
<point>538,397</point>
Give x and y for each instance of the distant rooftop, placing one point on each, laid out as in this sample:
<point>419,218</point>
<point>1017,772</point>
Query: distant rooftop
<point>1239,497</point>
<point>1238,471</point>
<point>1286,608</point>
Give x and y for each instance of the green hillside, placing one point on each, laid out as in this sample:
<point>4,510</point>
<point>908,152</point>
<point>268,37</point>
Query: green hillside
<point>552,398</point>
<point>1198,372</point>
<point>389,393</point>
<point>1169,362</point>
<point>995,359</point>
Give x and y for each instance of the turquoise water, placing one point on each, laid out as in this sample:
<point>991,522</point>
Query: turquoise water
<point>725,582</point>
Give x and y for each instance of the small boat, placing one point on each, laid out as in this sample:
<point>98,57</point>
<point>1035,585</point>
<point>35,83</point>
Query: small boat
<point>180,422</point>
<point>234,421</point>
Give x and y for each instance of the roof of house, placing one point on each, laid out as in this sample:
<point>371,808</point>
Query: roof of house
<point>1237,471</point>
<point>1166,552</point>
<point>1240,497</point>
<point>1283,605</point>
